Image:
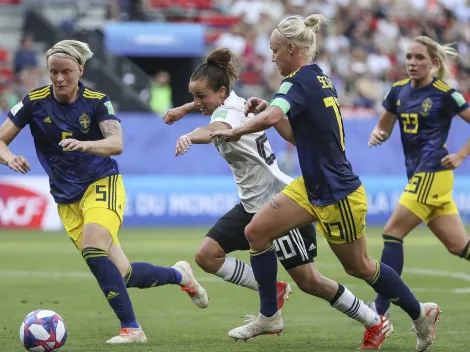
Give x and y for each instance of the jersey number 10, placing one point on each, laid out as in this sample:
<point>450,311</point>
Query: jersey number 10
<point>332,102</point>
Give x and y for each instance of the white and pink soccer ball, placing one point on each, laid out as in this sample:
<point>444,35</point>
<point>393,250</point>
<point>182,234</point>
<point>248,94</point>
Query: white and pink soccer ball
<point>43,330</point>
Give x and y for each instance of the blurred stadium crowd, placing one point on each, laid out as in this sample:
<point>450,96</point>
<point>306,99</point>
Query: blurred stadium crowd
<point>362,48</point>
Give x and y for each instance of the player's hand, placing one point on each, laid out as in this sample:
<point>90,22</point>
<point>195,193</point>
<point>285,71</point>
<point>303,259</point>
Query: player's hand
<point>19,164</point>
<point>182,145</point>
<point>377,137</point>
<point>173,115</point>
<point>74,145</point>
<point>227,135</point>
<point>452,161</point>
<point>255,105</point>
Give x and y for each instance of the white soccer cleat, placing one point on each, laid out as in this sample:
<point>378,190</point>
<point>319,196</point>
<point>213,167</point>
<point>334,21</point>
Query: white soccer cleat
<point>129,335</point>
<point>261,325</point>
<point>189,284</point>
<point>283,292</point>
<point>425,326</point>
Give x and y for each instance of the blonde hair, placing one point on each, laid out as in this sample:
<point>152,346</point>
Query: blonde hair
<point>439,52</point>
<point>71,49</point>
<point>302,33</point>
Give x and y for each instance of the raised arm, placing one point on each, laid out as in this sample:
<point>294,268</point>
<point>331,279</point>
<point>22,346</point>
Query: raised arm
<point>284,128</point>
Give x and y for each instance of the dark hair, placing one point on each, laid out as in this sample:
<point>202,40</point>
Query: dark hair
<point>218,70</point>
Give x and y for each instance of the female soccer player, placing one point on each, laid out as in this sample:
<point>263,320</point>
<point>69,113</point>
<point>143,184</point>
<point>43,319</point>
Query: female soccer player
<point>75,134</point>
<point>258,179</point>
<point>424,106</point>
<point>329,192</point>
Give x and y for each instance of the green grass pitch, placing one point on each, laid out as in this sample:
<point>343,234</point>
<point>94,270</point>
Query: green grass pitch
<point>44,270</point>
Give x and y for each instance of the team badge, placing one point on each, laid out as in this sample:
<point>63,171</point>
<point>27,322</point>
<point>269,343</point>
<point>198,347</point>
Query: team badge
<point>427,105</point>
<point>84,120</point>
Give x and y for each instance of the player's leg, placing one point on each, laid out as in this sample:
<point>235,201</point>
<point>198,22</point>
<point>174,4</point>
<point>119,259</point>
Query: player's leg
<point>445,222</point>
<point>296,252</point>
<point>400,224</point>
<point>408,214</point>
<point>386,282</point>
<point>271,222</point>
<point>226,236</point>
<point>95,240</point>
<point>102,207</point>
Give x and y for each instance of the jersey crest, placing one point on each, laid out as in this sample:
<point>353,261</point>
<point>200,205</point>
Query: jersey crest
<point>426,105</point>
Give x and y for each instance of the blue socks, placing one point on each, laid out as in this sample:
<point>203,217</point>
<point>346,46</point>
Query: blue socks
<point>146,275</point>
<point>387,282</point>
<point>392,255</point>
<point>264,265</point>
<point>112,284</point>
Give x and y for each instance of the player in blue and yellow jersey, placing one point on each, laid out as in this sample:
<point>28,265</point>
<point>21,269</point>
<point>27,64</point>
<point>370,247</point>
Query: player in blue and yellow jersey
<point>75,133</point>
<point>424,105</point>
<point>329,192</point>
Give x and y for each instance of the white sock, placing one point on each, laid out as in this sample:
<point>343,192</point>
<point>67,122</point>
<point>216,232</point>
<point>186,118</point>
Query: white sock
<point>354,308</point>
<point>237,273</point>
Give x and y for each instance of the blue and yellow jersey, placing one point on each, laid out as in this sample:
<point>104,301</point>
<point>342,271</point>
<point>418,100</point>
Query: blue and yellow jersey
<point>70,173</point>
<point>424,115</point>
<point>309,99</point>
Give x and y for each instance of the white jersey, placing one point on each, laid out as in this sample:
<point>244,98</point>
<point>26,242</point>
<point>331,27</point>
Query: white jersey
<point>251,159</point>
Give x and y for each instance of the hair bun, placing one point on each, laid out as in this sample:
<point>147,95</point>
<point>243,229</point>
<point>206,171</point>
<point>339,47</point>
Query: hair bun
<point>314,21</point>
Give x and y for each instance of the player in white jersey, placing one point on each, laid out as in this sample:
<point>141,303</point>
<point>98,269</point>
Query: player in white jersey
<point>258,179</point>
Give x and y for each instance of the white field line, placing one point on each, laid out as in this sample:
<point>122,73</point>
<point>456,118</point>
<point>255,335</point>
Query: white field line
<point>212,279</point>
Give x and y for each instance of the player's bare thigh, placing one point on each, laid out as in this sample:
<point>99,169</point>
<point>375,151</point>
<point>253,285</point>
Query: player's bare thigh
<point>275,219</point>
<point>449,229</point>
<point>402,222</point>
<point>355,258</point>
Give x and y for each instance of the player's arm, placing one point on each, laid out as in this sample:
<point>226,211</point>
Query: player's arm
<point>284,128</point>
<point>8,132</point>
<point>201,135</point>
<point>453,161</point>
<point>110,127</point>
<point>175,114</point>
<point>261,122</point>
<point>383,130</point>
<point>18,117</point>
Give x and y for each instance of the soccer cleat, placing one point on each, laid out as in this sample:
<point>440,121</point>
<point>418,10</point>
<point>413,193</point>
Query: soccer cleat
<point>425,326</point>
<point>376,335</point>
<point>283,292</point>
<point>189,284</point>
<point>373,306</point>
<point>129,335</point>
<point>261,325</point>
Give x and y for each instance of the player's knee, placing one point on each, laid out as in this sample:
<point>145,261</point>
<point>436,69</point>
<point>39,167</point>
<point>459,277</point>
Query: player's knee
<point>361,270</point>
<point>455,249</point>
<point>207,260</point>
<point>96,236</point>
<point>255,234</point>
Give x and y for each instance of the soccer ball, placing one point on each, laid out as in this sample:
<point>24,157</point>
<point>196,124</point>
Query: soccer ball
<point>43,330</point>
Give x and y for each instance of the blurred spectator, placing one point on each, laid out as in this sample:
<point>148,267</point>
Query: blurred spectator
<point>25,57</point>
<point>160,93</point>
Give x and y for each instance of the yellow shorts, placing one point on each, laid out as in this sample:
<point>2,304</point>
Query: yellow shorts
<point>429,195</point>
<point>103,204</point>
<point>341,222</point>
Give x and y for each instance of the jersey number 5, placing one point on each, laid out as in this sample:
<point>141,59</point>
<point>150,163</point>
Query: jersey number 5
<point>66,135</point>
<point>332,102</point>
<point>269,159</point>
<point>410,123</point>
